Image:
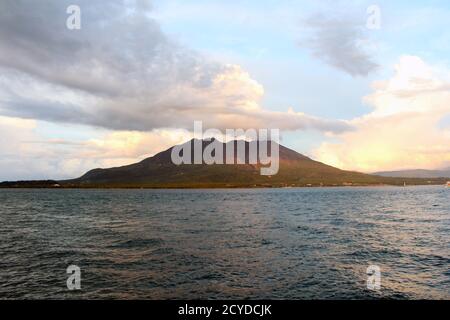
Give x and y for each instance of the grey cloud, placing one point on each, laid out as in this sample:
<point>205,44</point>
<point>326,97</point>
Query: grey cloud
<point>45,110</point>
<point>338,41</point>
<point>113,53</point>
<point>117,118</point>
<point>121,72</point>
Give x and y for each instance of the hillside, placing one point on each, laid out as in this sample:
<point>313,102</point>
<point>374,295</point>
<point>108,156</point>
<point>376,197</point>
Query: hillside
<point>419,173</point>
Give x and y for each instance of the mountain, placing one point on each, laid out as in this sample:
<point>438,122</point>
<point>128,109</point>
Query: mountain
<point>418,173</point>
<point>295,170</point>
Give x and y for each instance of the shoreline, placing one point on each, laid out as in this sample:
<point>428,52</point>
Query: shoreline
<point>217,187</point>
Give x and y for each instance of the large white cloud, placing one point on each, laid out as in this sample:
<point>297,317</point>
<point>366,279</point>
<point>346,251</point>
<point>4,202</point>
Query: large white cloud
<point>121,72</point>
<point>405,130</point>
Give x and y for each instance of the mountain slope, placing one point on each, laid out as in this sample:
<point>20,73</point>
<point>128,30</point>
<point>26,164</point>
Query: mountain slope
<point>159,171</point>
<point>419,173</point>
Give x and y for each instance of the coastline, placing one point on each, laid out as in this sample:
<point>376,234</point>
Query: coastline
<point>36,185</point>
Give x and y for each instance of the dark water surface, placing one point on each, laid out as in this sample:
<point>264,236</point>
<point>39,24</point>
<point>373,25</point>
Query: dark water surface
<point>256,243</point>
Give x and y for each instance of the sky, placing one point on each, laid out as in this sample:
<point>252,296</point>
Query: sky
<point>360,85</point>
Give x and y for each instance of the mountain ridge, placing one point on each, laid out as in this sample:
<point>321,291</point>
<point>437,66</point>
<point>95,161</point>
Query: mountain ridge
<point>416,173</point>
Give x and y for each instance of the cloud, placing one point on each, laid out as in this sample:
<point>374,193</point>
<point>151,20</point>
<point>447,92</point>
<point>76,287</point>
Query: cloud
<point>404,130</point>
<point>28,155</point>
<point>340,42</point>
<point>19,159</point>
<point>121,72</point>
